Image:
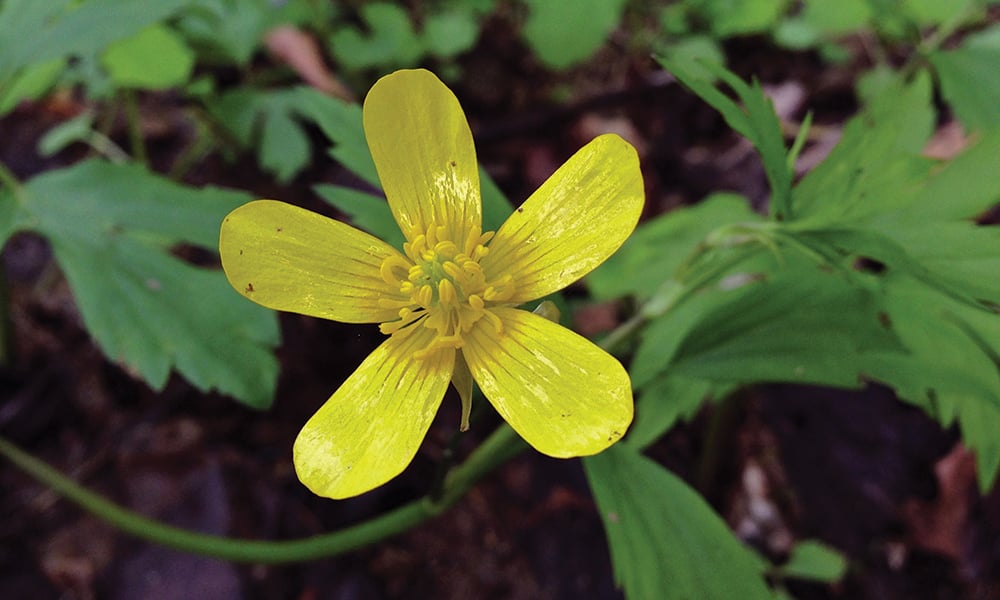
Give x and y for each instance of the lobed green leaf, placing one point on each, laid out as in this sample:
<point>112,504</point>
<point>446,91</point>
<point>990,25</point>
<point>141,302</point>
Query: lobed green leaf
<point>113,229</point>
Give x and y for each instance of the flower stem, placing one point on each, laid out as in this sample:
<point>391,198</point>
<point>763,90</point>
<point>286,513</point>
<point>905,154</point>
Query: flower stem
<point>499,447</point>
<point>133,120</point>
<point>502,445</point>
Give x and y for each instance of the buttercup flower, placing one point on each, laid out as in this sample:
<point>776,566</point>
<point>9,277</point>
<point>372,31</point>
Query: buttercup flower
<point>447,302</point>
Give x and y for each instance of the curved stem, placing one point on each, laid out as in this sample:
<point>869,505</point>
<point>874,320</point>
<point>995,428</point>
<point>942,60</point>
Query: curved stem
<point>502,445</point>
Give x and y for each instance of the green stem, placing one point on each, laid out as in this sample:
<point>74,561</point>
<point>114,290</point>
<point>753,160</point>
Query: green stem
<point>11,182</point>
<point>502,445</point>
<point>134,122</point>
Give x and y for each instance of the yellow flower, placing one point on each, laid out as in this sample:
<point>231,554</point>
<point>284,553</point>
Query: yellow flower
<point>447,301</point>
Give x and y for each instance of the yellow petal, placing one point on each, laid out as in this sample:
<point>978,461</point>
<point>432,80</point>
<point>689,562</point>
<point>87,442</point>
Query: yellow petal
<point>559,391</point>
<point>288,258</point>
<point>423,150</point>
<point>574,222</point>
<point>371,427</point>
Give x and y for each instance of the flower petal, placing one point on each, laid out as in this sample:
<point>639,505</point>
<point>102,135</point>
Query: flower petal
<point>423,150</point>
<point>559,391</point>
<point>288,258</point>
<point>573,222</point>
<point>371,427</point>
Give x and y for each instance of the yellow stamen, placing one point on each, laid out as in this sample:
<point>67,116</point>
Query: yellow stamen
<point>444,287</point>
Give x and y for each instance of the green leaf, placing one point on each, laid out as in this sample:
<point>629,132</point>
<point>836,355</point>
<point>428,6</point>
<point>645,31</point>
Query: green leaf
<point>935,12</point>
<point>264,121</point>
<point>31,83</point>
<point>876,164</point>
<point>154,58</point>
<point>695,49</point>
<point>496,206</point>
<point>952,368</point>
<point>755,120</point>
<point>742,17</point>
<point>391,40</point>
<point>836,17</point>
<point>961,189</point>
<point>227,31</point>
<point>565,32</point>
<point>802,324</point>
<point>61,29</point>
<point>958,257</point>
<point>284,147</point>
<point>77,129</point>
<point>449,34</point>
<point>366,211</point>
<point>666,542</point>
<point>658,247</point>
<point>341,123</point>
<point>814,561</point>
<point>969,80</point>
<point>112,229</point>
<point>666,400</point>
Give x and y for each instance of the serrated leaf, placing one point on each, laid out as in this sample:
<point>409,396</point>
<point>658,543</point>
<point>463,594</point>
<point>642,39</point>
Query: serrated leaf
<point>815,561</point>
<point>653,253</point>
<point>112,229</point>
<point>154,58</point>
<point>969,80</point>
<point>876,164</point>
<point>952,369</point>
<point>666,542</point>
<point>802,324</point>
<point>755,120</point>
<point>565,32</point>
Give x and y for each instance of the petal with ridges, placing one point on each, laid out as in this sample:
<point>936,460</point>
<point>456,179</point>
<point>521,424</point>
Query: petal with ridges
<point>423,150</point>
<point>371,427</point>
<point>288,258</point>
<point>559,391</point>
<point>578,218</point>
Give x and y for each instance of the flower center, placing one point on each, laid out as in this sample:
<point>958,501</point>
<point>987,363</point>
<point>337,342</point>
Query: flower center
<point>445,287</point>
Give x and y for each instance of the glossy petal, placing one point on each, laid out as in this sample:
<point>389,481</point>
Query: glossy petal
<point>371,427</point>
<point>559,391</point>
<point>288,258</point>
<point>423,150</point>
<point>573,223</point>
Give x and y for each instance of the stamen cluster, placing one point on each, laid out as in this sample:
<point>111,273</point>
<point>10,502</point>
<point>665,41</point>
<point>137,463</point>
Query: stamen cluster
<point>445,287</point>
